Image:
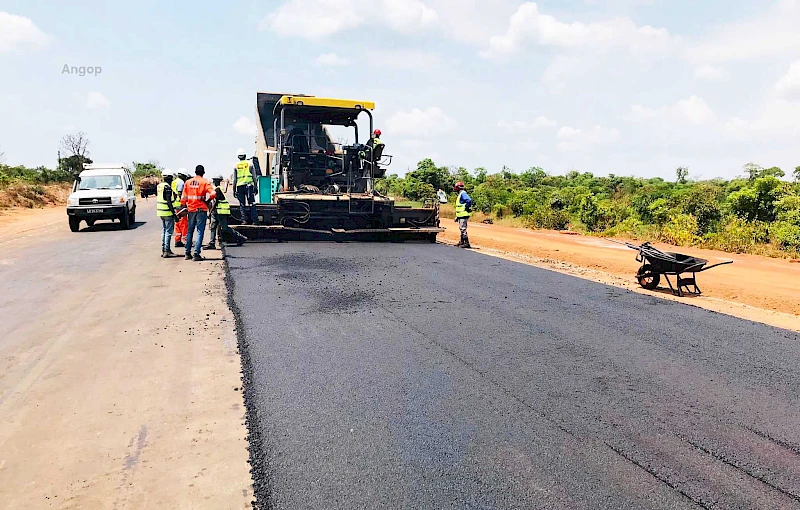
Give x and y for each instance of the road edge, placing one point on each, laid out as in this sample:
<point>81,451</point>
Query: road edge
<point>773,318</point>
<point>256,444</point>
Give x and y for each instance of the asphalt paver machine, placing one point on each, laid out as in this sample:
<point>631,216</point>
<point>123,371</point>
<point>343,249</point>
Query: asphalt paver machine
<point>312,188</point>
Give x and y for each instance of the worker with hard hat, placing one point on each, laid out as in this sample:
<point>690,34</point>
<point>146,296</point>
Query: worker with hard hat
<point>182,223</point>
<point>464,205</point>
<point>375,139</point>
<point>245,184</point>
<point>165,209</point>
<point>220,212</point>
<point>197,194</point>
<point>374,143</point>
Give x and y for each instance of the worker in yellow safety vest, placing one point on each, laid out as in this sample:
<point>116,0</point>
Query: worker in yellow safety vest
<point>220,212</point>
<point>464,205</point>
<point>245,182</point>
<point>165,209</point>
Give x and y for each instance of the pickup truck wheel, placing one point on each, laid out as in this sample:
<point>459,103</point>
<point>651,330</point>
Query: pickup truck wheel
<point>74,224</point>
<point>133,216</point>
<point>125,220</point>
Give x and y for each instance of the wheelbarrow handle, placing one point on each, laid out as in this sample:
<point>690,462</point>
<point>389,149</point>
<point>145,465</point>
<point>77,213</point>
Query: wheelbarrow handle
<point>715,265</point>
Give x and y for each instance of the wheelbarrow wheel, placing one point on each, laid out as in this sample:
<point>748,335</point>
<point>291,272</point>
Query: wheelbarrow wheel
<point>647,277</point>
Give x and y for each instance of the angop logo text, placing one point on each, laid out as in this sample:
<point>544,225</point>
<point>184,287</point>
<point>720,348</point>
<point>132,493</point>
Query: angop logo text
<point>82,70</point>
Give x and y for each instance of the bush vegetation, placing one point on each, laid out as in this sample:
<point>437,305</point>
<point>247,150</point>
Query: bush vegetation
<point>756,213</point>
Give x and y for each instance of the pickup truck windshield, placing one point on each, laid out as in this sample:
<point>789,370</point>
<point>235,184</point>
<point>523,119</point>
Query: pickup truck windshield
<point>101,182</point>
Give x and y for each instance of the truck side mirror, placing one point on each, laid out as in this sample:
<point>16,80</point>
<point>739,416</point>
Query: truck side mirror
<point>130,187</point>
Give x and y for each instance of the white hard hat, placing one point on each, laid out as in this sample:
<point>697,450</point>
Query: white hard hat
<point>217,176</point>
<point>167,172</point>
<point>182,171</point>
<point>241,152</point>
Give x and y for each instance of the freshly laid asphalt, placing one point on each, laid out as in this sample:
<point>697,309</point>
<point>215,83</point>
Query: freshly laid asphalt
<point>425,376</point>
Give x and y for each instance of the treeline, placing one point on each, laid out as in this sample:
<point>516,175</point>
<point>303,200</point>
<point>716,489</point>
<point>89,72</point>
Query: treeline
<point>67,171</point>
<point>40,175</point>
<point>756,213</point>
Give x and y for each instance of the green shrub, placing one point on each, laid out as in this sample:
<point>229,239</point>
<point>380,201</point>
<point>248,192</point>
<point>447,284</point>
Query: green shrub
<point>681,230</point>
<point>785,234</point>
<point>738,236</point>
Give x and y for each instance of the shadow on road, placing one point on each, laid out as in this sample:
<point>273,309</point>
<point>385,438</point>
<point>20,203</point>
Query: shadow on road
<point>111,226</point>
<point>666,290</point>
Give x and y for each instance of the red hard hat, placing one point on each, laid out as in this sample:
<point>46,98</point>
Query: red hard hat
<point>377,132</point>
<point>459,185</point>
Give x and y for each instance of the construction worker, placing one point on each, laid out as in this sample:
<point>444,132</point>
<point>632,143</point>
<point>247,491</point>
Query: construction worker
<point>245,182</point>
<point>165,209</point>
<point>220,212</point>
<point>375,140</point>
<point>464,205</point>
<point>181,224</point>
<point>197,194</point>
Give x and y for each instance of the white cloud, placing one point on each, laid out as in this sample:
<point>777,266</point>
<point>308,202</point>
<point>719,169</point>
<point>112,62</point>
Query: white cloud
<point>245,126</point>
<point>772,33</point>
<point>18,33</point>
<point>332,60</point>
<point>710,73</point>
<point>776,120</point>
<point>404,59</point>
<point>538,123</point>
<point>405,15</point>
<point>543,122</point>
<point>316,19</point>
<point>529,26</point>
<point>693,110</point>
<point>571,139</point>
<point>96,101</point>
<point>420,123</point>
<point>789,85</point>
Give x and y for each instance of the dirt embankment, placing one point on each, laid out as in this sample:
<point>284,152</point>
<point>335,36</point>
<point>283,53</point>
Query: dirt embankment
<point>31,196</point>
<point>753,287</point>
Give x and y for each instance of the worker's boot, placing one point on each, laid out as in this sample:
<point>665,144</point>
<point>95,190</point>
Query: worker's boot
<point>198,258</point>
<point>168,254</point>
<point>188,256</point>
<point>241,239</point>
<point>210,246</point>
<point>179,244</point>
<point>465,242</point>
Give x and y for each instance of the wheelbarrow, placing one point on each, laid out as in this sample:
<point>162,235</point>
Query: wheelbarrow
<point>656,263</point>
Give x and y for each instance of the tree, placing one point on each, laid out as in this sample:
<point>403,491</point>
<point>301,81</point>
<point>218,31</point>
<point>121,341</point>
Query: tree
<point>152,167</point>
<point>797,174</point>
<point>76,148</point>
<point>753,171</point>
<point>681,173</point>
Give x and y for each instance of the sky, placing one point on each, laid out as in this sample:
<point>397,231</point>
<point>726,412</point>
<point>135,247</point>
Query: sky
<point>629,87</point>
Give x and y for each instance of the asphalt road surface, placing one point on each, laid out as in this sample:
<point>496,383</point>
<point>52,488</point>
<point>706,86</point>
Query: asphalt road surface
<point>424,376</point>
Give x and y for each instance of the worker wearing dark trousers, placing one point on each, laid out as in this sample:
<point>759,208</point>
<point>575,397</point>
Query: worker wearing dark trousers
<point>197,194</point>
<point>220,212</point>
<point>165,210</point>
<point>464,205</point>
<point>245,182</point>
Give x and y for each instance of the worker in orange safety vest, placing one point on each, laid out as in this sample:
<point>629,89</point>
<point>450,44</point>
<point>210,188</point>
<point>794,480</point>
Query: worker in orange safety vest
<point>197,193</point>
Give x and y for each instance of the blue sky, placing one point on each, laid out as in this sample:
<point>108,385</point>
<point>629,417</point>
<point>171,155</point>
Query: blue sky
<point>631,87</point>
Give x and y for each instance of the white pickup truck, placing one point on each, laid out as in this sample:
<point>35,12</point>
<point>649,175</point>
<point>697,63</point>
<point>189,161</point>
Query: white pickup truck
<point>102,192</point>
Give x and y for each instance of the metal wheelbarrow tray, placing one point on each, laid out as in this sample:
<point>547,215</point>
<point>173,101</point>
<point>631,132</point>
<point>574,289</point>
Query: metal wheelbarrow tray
<point>656,263</point>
